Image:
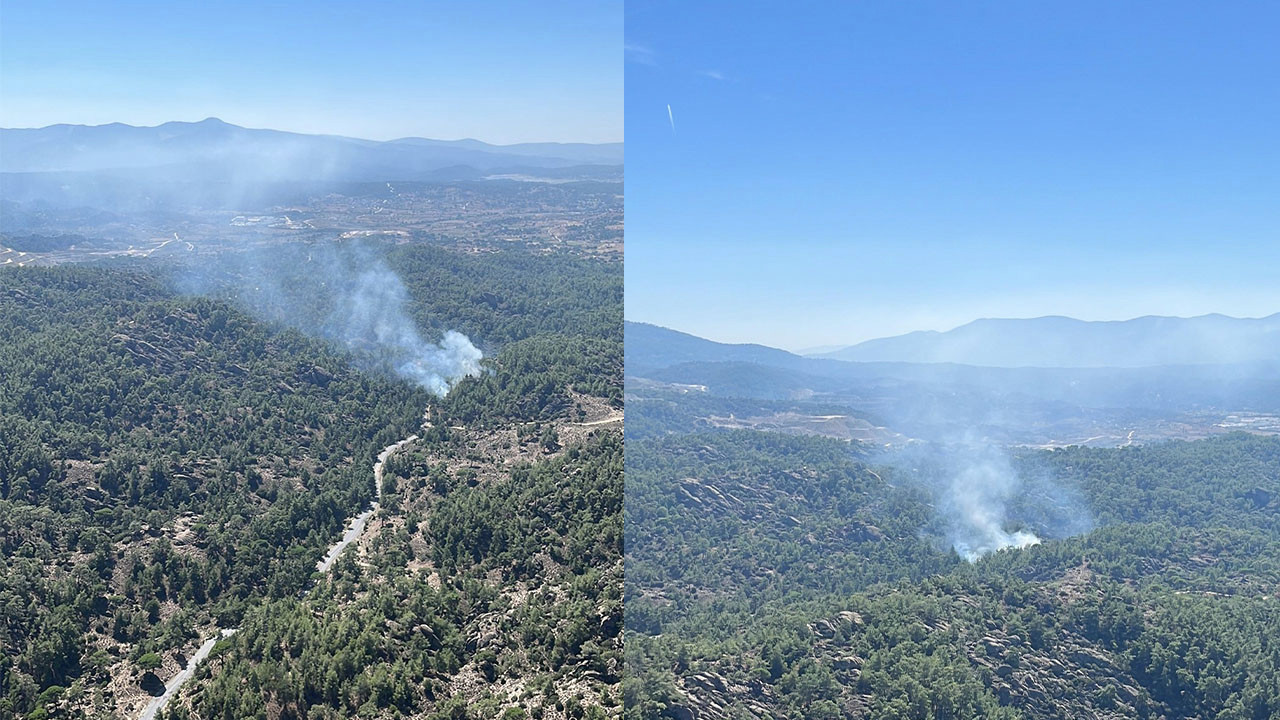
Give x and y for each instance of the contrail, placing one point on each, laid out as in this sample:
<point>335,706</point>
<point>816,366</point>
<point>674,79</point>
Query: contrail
<point>672,118</point>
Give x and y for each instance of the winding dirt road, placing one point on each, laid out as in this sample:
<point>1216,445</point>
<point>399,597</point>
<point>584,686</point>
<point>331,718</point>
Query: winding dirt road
<point>613,418</point>
<point>175,683</point>
<point>358,523</point>
<point>353,533</point>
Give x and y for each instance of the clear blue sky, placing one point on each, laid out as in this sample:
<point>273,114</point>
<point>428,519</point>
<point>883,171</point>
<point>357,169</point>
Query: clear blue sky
<point>841,171</point>
<point>497,71</point>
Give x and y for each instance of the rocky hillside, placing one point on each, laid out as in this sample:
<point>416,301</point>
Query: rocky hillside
<point>775,576</point>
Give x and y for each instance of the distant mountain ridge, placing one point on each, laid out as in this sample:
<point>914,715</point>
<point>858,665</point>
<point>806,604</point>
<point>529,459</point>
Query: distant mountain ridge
<point>649,347</point>
<point>273,153</point>
<point>1056,341</point>
<point>1018,405</point>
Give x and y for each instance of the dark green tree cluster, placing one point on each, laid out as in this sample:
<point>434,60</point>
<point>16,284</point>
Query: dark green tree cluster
<point>535,379</point>
<point>499,298</point>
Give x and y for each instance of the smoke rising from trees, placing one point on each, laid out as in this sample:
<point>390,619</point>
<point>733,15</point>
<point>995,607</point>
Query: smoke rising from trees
<point>344,294</point>
<point>986,502</point>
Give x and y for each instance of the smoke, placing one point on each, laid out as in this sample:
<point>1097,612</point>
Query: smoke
<point>344,294</point>
<point>976,501</point>
<point>985,502</point>
<point>368,314</point>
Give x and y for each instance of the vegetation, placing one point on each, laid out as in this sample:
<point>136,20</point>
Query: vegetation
<point>170,465</point>
<point>536,379</point>
<point>780,576</point>
<point>490,588</point>
<point>163,462</point>
<point>372,641</point>
<point>499,298</point>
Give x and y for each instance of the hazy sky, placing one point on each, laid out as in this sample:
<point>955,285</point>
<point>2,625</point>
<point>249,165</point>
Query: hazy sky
<point>498,71</point>
<point>841,171</point>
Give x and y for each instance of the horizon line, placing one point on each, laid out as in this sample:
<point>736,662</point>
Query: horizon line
<point>838,346</point>
<point>312,134</point>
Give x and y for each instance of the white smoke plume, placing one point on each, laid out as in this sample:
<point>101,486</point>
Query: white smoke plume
<point>985,503</point>
<point>347,295</point>
<point>369,314</point>
<point>976,504</point>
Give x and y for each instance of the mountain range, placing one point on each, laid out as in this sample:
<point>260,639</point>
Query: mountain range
<point>1065,342</point>
<point>652,347</point>
<point>214,146</point>
<point>1021,403</point>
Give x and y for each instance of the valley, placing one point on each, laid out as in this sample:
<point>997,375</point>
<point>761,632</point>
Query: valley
<point>891,404</point>
<point>471,216</point>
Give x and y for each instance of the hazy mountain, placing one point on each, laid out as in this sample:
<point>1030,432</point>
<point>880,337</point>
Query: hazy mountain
<point>1020,404</point>
<point>215,146</point>
<point>651,347</point>
<point>1066,342</point>
<point>578,153</point>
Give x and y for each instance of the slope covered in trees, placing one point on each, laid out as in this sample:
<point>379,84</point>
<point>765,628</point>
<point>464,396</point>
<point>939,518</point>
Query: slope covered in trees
<point>164,461</point>
<point>502,597</point>
<point>171,464</point>
<point>489,584</point>
<point>780,576</point>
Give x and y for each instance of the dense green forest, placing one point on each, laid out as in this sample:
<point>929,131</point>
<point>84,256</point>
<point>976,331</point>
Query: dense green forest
<point>171,464</point>
<point>377,641</point>
<point>164,461</point>
<point>484,594</point>
<point>498,298</point>
<point>535,379</point>
<point>770,575</point>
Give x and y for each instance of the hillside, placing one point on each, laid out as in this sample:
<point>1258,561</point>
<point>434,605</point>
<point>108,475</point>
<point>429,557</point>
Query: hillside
<point>651,347</point>
<point>797,531</point>
<point>489,582</point>
<point>165,463</point>
<point>174,465</point>
<point>788,577</point>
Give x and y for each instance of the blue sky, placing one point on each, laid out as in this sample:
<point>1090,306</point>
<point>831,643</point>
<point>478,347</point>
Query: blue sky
<point>497,71</point>
<point>842,171</point>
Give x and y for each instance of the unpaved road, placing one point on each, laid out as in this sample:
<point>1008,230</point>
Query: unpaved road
<point>175,683</point>
<point>358,523</point>
<point>615,417</point>
<point>353,533</point>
